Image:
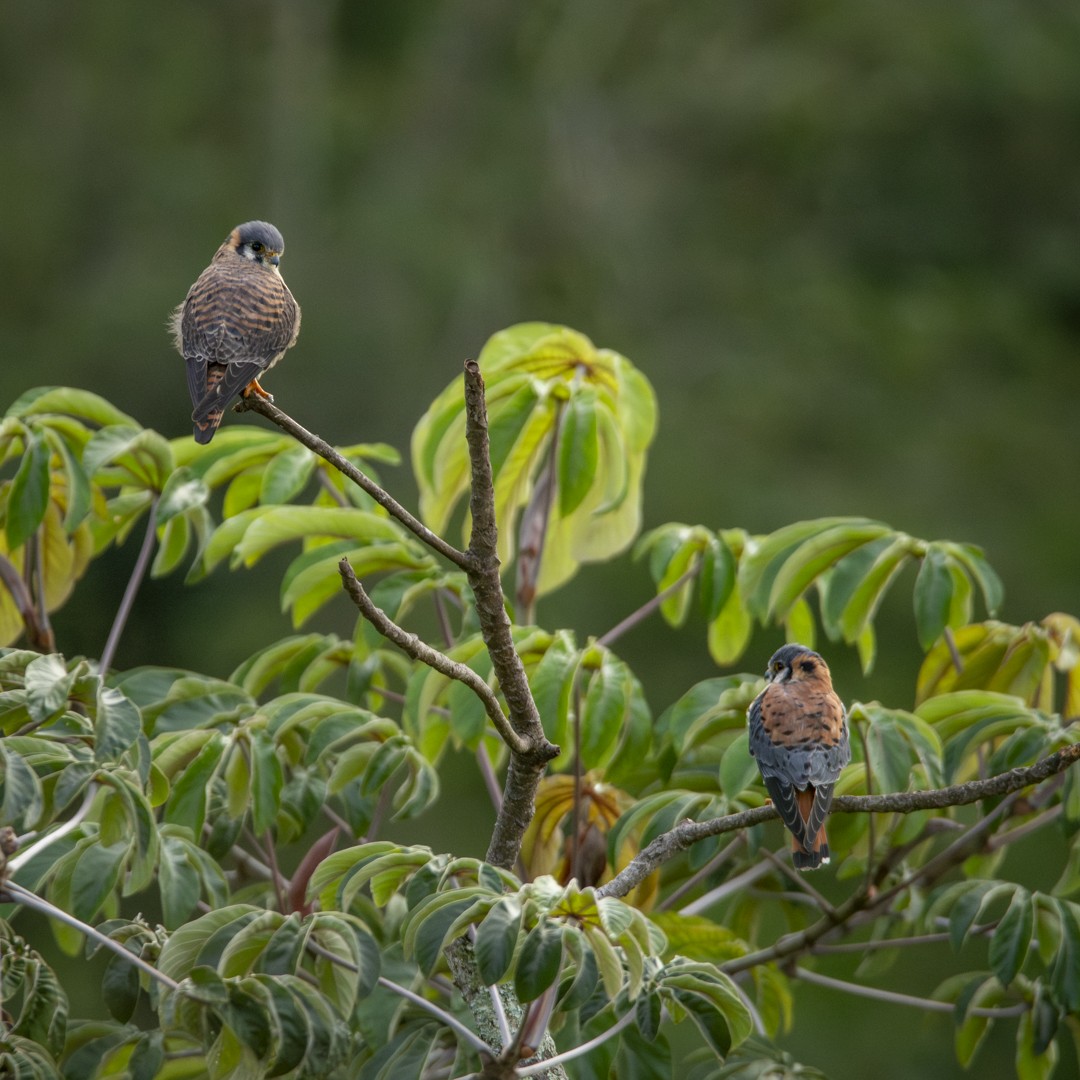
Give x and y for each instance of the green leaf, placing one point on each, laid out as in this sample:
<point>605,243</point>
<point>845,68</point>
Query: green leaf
<point>48,685</point>
<point>933,594</point>
<point>540,960</point>
<point>120,988</point>
<point>178,881</point>
<point>29,494</point>
<point>866,597</point>
<point>729,633</point>
<point>972,557</point>
<point>579,449</point>
<point>78,483</point>
<point>1065,970</point>
<point>432,924</point>
<point>496,939</point>
<point>116,726</point>
<point>268,779</point>
<point>717,577</point>
<point>187,801</point>
<point>20,791</point>
<point>738,769</point>
<point>552,682</point>
<point>95,877</point>
<point>1012,938</point>
<point>183,491</point>
<point>283,524</point>
<point>604,710</point>
<point>64,399</point>
<point>812,557</point>
<point>286,475</point>
<point>143,456</point>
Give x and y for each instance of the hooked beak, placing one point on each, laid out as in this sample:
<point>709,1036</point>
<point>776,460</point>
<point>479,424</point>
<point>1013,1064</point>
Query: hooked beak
<point>274,259</point>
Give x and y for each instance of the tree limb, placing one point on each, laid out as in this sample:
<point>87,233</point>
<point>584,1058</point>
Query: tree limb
<point>686,833</point>
<point>254,403</point>
<point>526,767</point>
<point>419,650</point>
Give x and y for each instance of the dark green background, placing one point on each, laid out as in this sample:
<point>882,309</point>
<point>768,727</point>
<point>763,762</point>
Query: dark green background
<point>842,239</point>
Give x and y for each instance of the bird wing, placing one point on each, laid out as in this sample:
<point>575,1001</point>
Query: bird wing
<point>239,316</point>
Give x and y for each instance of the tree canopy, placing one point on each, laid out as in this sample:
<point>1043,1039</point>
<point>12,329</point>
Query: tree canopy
<point>230,841</point>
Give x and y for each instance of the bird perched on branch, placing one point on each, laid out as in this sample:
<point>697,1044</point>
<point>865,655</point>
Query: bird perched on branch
<point>799,736</point>
<point>237,321</point>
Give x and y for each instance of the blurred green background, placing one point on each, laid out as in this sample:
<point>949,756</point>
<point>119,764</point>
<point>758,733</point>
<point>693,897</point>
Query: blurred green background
<point>842,239</point>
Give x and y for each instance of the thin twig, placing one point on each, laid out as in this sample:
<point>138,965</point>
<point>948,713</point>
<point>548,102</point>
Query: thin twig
<point>722,856</point>
<point>881,943</point>
<point>39,638</point>
<point>142,564</point>
<point>585,1048</point>
<point>800,881</point>
<point>487,771</point>
<point>30,900</point>
<point>650,606</point>
<point>254,403</point>
<point>444,621</point>
<point>24,856</point>
<point>575,811</point>
<point>732,885</point>
<point>894,998</point>
<point>46,630</point>
<point>1028,827</point>
<point>954,652</point>
<point>440,662</point>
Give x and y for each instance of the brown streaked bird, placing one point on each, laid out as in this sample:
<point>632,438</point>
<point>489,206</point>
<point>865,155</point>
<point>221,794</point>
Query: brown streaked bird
<point>799,735</point>
<point>237,321</point>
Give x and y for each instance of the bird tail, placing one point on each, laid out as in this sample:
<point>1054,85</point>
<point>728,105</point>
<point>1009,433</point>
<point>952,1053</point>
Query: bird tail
<point>209,411</point>
<point>815,853</point>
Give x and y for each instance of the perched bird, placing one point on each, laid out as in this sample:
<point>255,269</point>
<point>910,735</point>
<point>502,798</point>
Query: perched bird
<point>799,735</point>
<point>236,322</point>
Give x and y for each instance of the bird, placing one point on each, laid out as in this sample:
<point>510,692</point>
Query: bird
<point>799,737</point>
<point>236,322</point>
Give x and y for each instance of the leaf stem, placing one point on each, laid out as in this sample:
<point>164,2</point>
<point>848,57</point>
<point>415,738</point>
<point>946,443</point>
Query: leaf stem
<point>646,609</point>
<point>894,998</point>
<point>142,564</point>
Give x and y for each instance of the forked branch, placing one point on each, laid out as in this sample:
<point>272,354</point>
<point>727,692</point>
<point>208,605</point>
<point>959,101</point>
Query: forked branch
<point>520,726</point>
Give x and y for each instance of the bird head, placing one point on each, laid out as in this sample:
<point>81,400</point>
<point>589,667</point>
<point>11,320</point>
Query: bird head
<point>258,241</point>
<point>797,663</point>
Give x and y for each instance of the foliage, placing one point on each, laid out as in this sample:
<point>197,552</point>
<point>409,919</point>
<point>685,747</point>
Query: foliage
<point>289,938</point>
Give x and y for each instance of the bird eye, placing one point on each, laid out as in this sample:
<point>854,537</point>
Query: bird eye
<point>256,246</point>
<point>777,666</point>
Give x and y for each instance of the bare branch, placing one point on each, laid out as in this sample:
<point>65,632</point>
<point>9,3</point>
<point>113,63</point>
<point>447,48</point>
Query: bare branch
<point>650,606</point>
<point>419,650</point>
<point>39,637</point>
<point>28,899</point>
<point>254,403</point>
<point>142,564</point>
<point>891,996</point>
<point>686,833</point>
<point>527,765</point>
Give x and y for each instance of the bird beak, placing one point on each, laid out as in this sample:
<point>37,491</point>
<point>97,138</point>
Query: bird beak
<point>275,259</point>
